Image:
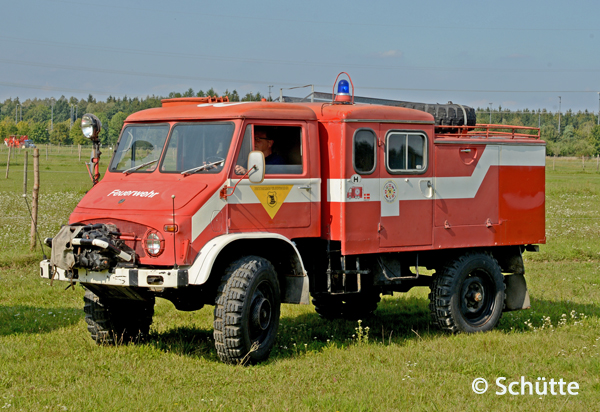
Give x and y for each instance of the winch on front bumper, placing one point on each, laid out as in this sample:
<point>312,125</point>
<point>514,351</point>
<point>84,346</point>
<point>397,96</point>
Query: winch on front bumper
<point>164,278</point>
<point>96,254</point>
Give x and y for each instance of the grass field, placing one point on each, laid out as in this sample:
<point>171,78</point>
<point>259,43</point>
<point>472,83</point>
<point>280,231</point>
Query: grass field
<point>49,363</point>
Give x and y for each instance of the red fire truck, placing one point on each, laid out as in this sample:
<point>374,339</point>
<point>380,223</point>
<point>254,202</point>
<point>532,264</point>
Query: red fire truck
<point>349,202</point>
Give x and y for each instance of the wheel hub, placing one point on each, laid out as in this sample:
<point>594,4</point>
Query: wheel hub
<point>261,313</point>
<point>474,295</point>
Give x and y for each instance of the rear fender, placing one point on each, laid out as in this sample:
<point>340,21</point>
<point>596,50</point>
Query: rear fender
<point>517,295</point>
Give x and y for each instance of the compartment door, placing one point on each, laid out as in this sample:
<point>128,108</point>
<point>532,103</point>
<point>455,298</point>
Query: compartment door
<point>406,190</point>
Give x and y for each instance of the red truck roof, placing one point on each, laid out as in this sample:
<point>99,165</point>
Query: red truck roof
<point>282,111</point>
<point>216,111</point>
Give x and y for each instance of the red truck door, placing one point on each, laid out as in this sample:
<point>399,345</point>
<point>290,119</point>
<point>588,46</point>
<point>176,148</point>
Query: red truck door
<point>406,187</point>
<point>288,194</point>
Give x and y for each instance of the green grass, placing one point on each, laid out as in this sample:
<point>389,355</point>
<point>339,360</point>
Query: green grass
<point>48,362</point>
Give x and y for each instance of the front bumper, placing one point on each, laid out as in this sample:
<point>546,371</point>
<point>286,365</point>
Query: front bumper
<point>148,278</point>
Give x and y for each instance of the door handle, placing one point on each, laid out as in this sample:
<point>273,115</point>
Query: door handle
<point>307,188</point>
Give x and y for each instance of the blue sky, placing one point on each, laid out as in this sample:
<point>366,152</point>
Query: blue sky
<point>518,54</point>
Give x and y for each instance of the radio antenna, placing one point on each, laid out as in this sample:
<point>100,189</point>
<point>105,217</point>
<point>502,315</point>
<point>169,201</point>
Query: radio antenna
<point>174,231</point>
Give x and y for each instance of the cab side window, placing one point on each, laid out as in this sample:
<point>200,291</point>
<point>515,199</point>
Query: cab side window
<point>281,145</point>
<point>364,149</point>
<point>406,152</point>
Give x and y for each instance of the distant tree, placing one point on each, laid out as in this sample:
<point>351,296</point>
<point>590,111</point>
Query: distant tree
<point>8,128</point>
<point>584,130</point>
<point>111,109</point>
<point>60,134</point>
<point>103,136</point>
<point>23,128</point>
<point>81,108</point>
<point>39,133</point>
<point>583,148</point>
<point>568,133</point>
<point>189,93</point>
<point>249,97</point>
<point>211,92</point>
<point>200,94</point>
<point>552,149</point>
<point>62,110</point>
<point>514,120</point>
<point>76,134</point>
<point>39,113</point>
<point>114,127</point>
<point>549,133</point>
<point>233,96</point>
<point>3,132</point>
<point>595,139</point>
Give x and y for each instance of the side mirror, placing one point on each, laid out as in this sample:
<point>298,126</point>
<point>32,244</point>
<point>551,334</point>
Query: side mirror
<point>256,165</point>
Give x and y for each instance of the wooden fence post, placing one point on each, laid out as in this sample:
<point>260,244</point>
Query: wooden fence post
<point>8,161</point>
<point>34,197</point>
<point>79,149</point>
<point>583,162</point>
<point>46,152</point>
<point>25,161</point>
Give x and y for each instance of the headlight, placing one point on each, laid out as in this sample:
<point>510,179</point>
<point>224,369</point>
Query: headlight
<point>90,126</point>
<point>154,244</point>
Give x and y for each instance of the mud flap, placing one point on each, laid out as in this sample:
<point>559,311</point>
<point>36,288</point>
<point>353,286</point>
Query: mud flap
<point>294,289</point>
<point>517,295</point>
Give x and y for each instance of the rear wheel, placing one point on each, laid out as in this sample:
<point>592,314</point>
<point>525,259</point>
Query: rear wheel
<point>116,321</point>
<point>468,294</point>
<point>247,311</point>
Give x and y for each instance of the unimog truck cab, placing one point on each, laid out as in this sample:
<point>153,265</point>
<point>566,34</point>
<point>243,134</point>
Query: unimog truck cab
<point>350,203</point>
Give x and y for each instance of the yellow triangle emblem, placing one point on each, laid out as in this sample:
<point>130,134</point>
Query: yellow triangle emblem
<point>271,197</point>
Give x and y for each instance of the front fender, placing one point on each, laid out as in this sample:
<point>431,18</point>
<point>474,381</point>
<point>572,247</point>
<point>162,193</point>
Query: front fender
<point>294,284</point>
<point>202,266</point>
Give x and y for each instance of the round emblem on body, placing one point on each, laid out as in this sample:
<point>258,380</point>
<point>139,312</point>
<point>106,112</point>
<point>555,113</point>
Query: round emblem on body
<point>390,191</point>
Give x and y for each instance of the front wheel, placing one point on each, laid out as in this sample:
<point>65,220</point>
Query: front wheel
<point>115,321</point>
<point>247,311</point>
<point>468,294</point>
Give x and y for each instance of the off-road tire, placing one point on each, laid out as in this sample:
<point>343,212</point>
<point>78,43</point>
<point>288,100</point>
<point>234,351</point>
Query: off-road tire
<point>247,311</point>
<point>468,294</point>
<point>349,307</point>
<point>117,321</point>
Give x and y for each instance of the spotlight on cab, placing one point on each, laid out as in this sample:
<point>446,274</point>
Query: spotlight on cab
<point>91,126</point>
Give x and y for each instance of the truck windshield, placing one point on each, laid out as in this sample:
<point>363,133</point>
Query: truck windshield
<point>139,148</point>
<point>193,146</point>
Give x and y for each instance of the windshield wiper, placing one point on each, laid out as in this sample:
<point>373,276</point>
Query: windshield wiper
<point>134,168</point>
<point>199,168</point>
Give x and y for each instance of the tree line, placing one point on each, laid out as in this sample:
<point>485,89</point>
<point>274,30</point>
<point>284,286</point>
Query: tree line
<point>566,134</point>
<point>57,121</point>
